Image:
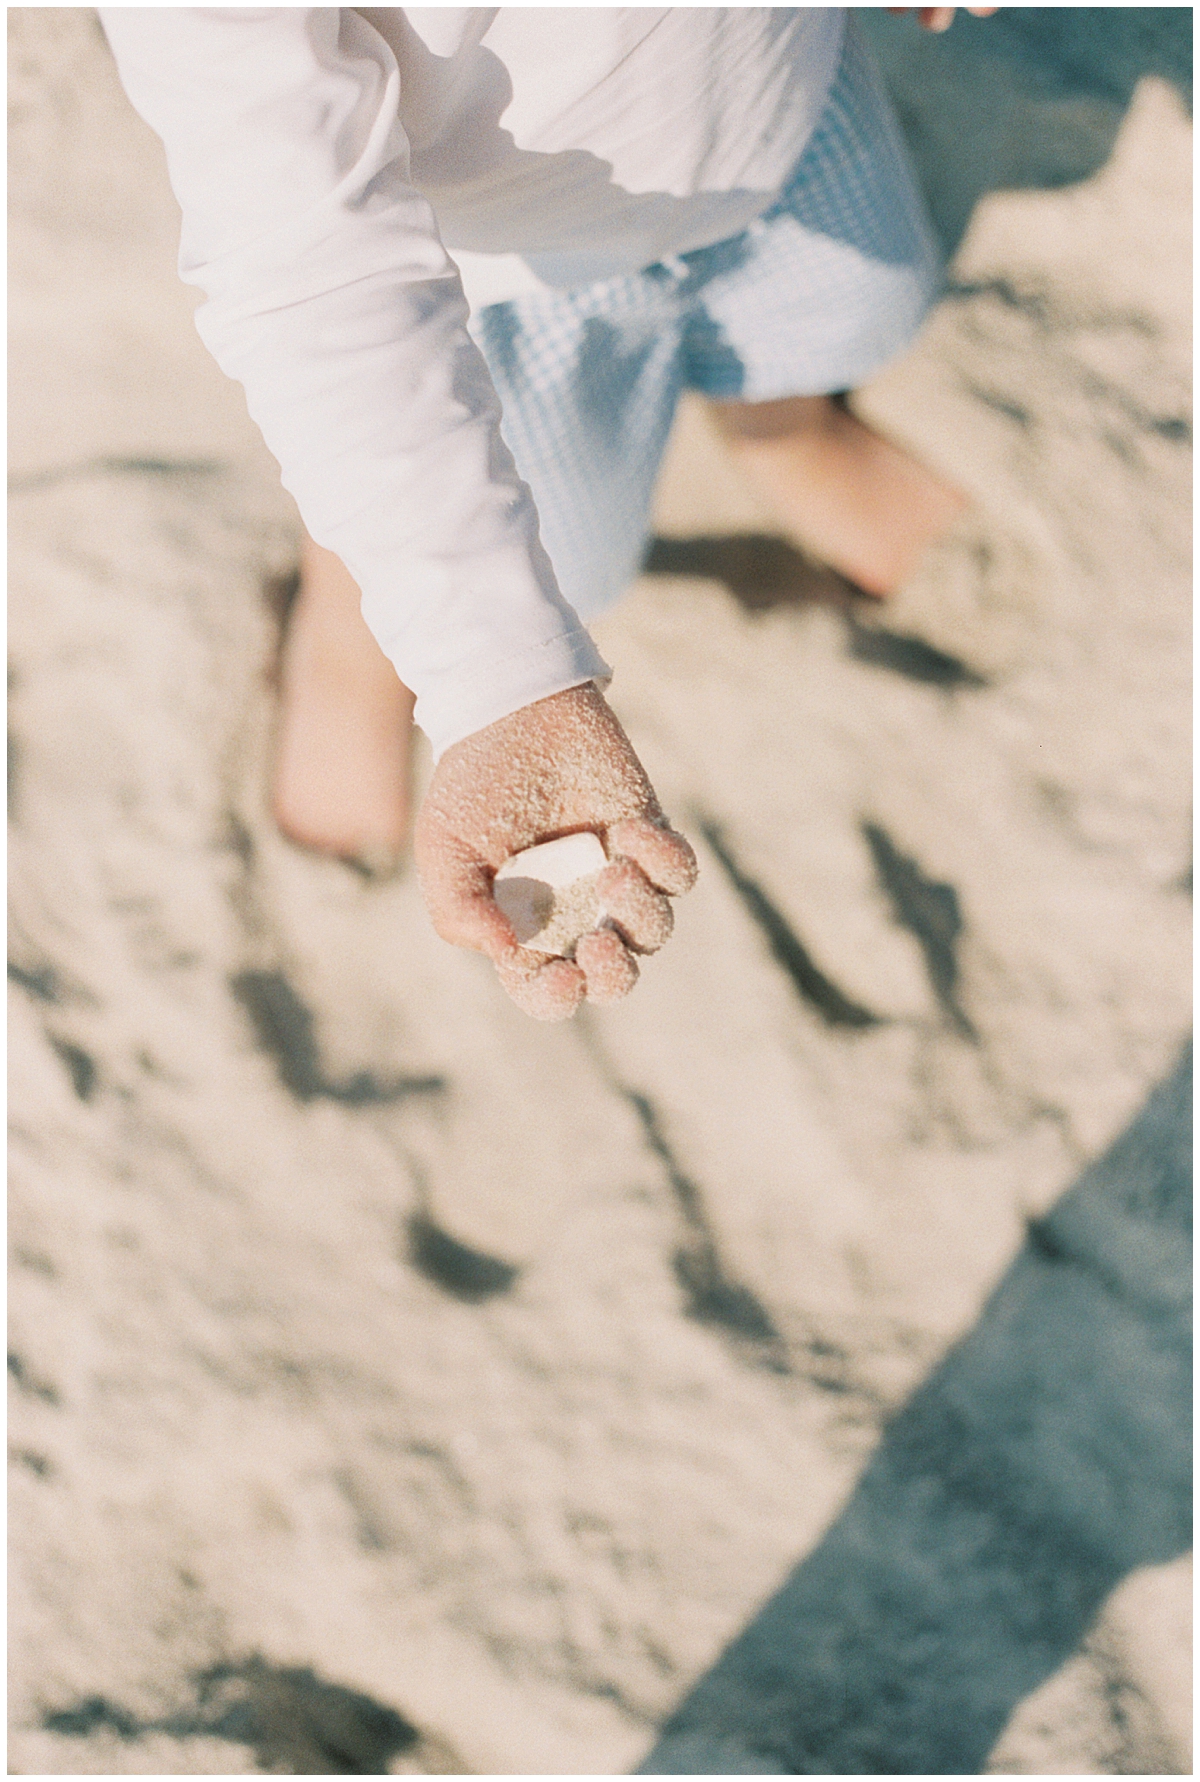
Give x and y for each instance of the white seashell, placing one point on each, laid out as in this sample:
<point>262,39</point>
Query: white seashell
<point>549,892</point>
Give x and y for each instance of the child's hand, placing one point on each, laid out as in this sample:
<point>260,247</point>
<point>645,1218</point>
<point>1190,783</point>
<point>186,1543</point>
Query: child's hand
<point>559,765</point>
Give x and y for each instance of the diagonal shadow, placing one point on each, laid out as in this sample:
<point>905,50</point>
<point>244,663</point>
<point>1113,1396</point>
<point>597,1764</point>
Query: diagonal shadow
<point>761,570</point>
<point>285,1030</point>
<point>1044,1459</point>
<point>931,912</point>
<point>713,1295</point>
<point>764,572</point>
<point>789,952</point>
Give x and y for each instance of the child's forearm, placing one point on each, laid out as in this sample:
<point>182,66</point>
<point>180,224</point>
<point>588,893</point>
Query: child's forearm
<point>333,301</point>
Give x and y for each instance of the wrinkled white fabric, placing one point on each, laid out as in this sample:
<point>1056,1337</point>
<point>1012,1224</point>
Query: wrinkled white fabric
<point>327,159</point>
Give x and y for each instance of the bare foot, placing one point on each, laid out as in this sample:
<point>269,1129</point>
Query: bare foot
<point>855,499</point>
<point>341,780</point>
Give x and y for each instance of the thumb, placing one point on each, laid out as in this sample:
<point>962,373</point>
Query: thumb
<point>458,895</point>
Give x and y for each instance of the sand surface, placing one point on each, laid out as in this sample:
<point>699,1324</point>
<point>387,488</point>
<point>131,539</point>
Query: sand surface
<point>399,1385</point>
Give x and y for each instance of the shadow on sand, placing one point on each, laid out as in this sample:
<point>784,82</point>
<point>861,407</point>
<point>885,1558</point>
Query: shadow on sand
<point>1043,1460</point>
<point>1032,98</point>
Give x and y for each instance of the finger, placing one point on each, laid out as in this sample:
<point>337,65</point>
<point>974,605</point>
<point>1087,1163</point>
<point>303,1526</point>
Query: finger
<point>458,895</point>
<point>547,989</point>
<point>473,919</point>
<point>936,18</point>
<point>642,914</point>
<point>610,969</point>
<point>664,856</point>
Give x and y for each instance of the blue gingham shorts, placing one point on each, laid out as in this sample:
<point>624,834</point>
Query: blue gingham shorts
<point>822,289</point>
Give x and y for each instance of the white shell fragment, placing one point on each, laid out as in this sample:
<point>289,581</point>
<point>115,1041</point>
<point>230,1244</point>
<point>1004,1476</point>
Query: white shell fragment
<point>549,892</point>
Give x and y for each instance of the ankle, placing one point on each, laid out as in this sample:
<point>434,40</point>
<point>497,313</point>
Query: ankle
<point>790,418</point>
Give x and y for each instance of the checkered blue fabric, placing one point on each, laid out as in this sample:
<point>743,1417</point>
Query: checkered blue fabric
<point>816,294</point>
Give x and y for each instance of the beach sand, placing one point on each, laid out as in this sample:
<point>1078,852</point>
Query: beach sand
<point>402,1386</point>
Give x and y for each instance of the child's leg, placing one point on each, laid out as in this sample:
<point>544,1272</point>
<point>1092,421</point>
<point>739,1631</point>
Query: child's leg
<point>345,720</point>
<point>829,285</point>
<point>858,501</point>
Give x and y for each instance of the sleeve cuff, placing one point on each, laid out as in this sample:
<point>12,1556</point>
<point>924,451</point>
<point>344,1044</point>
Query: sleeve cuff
<point>449,713</point>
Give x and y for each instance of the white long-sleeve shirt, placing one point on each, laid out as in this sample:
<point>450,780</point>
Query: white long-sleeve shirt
<point>330,161</point>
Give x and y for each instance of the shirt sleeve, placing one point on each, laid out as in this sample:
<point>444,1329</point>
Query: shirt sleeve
<point>331,299</point>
